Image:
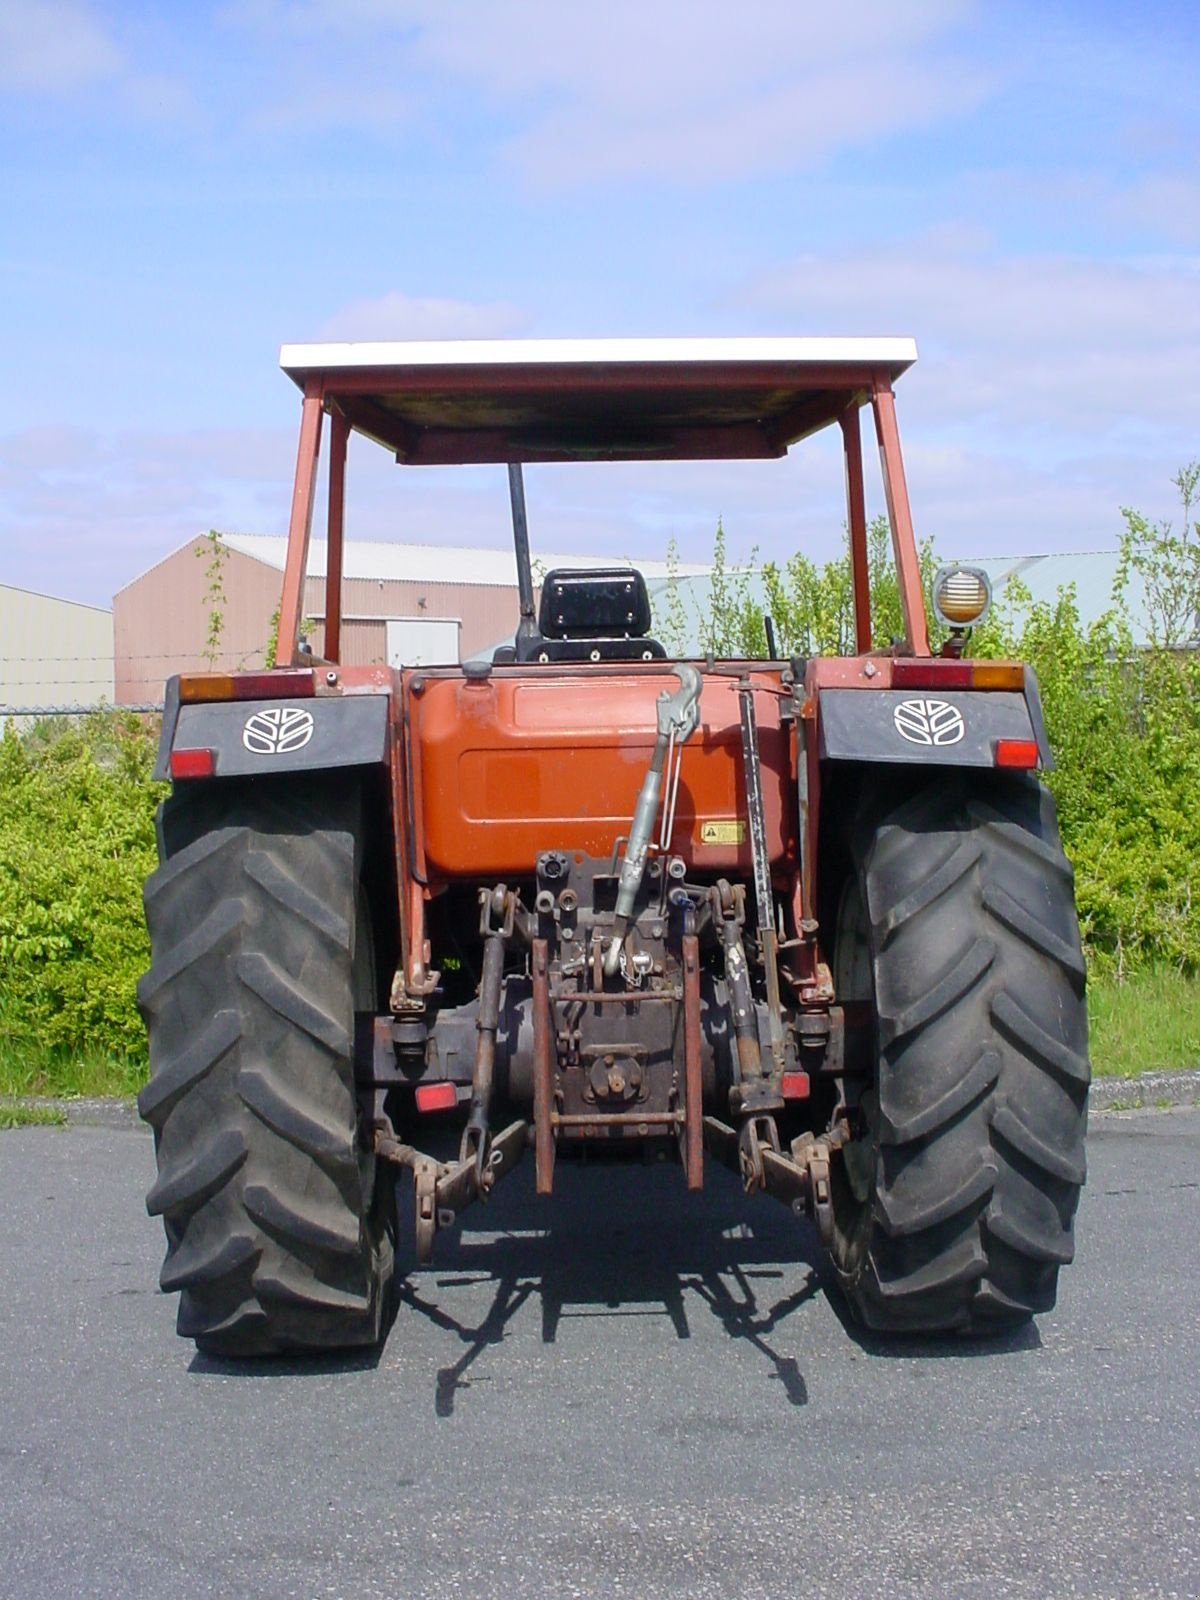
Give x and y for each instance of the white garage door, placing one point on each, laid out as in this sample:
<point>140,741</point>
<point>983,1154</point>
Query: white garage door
<point>422,641</point>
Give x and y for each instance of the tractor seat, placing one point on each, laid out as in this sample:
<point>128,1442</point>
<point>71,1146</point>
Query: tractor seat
<point>592,614</point>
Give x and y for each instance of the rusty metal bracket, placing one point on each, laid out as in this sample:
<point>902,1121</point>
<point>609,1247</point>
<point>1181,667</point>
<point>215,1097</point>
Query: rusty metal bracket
<point>693,1085</point>
<point>812,1156</point>
<point>799,1178</point>
<point>443,1189</point>
<point>543,1069</point>
<point>758,1138</point>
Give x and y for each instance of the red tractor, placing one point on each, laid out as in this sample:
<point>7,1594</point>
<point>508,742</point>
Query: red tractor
<point>808,917</point>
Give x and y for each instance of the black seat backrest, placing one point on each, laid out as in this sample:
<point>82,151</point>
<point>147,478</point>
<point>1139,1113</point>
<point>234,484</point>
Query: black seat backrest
<point>591,614</point>
<point>594,603</point>
<point>538,649</point>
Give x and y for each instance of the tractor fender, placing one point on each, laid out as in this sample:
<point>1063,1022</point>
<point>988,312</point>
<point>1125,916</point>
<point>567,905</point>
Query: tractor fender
<point>249,738</point>
<point>931,727</point>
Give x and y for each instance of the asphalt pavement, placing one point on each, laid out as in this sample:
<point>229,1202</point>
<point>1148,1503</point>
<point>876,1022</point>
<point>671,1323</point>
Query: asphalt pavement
<point>626,1391</point>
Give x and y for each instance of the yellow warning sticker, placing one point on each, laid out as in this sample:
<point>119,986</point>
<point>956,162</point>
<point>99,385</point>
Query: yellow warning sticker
<point>730,830</point>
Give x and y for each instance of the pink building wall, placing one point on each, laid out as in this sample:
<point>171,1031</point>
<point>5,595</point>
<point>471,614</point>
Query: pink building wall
<point>160,620</point>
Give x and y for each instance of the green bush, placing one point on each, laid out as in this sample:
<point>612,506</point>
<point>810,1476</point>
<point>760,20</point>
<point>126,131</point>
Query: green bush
<point>1124,724</point>
<point>1123,720</point>
<point>77,802</point>
<point>810,606</point>
<point>76,840</point>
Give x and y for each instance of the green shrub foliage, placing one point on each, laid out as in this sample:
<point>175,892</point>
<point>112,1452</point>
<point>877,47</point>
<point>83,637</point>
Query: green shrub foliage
<point>1123,720</point>
<point>76,840</point>
<point>1124,724</point>
<point>77,802</point>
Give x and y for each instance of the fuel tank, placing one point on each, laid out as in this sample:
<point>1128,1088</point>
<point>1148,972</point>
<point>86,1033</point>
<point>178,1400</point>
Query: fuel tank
<point>552,757</point>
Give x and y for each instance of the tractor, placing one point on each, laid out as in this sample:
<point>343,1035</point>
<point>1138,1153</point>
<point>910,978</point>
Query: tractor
<point>809,918</point>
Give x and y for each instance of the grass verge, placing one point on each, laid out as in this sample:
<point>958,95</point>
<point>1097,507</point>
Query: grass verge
<point>15,1116</point>
<point>1149,1022</point>
<point>25,1070</point>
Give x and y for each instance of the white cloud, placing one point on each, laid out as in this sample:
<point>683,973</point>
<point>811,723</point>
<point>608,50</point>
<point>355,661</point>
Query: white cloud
<point>396,315</point>
<point>54,46</point>
<point>1051,389</point>
<point>1155,206</point>
<point>1166,203</point>
<point>62,48</point>
<point>679,88</point>
<point>1055,345</point>
<point>86,511</point>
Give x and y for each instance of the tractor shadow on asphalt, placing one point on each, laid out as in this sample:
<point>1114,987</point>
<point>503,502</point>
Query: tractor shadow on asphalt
<point>619,1239</point>
<point>930,1346</point>
<point>626,1239</point>
<point>300,1365</point>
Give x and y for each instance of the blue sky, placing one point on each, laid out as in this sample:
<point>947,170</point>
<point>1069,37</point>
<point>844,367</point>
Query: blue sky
<point>186,187</point>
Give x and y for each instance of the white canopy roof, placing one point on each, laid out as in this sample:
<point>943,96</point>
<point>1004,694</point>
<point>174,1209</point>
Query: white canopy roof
<point>896,354</point>
<point>451,402</point>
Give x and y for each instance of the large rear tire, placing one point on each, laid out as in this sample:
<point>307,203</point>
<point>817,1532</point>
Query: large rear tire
<point>279,1237</point>
<point>954,1209</point>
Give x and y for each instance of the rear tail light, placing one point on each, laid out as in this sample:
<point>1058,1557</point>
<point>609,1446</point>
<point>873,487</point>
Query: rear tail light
<point>795,1086</point>
<point>193,763</point>
<point>276,684</point>
<point>937,672</point>
<point>1021,753</point>
<point>436,1097</point>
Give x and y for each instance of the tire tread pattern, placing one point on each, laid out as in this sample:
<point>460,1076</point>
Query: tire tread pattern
<point>983,1071</point>
<point>274,1240</point>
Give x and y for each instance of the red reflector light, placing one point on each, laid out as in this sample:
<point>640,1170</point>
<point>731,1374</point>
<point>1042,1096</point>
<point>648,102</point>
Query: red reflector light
<point>193,763</point>
<point>436,1097</point>
<point>1016,753</point>
<point>936,674</point>
<point>795,1086</point>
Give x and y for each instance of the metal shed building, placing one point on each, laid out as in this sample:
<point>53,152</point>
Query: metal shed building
<point>53,652</point>
<point>410,602</point>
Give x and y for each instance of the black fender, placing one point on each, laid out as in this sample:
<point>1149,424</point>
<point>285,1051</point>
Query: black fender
<point>251,738</point>
<point>929,727</point>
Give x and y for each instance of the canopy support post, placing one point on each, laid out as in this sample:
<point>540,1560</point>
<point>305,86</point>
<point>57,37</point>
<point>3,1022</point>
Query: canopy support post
<point>856,522</point>
<point>904,544</point>
<point>339,432</point>
<point>291,604</point>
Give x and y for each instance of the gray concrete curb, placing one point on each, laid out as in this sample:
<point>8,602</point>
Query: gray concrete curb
<point>84,1113</point>
<point>1150,1091</point>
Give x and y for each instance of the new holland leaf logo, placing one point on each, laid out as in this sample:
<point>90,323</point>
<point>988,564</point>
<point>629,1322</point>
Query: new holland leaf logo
<point>934,722</point>
<point>278,731</point>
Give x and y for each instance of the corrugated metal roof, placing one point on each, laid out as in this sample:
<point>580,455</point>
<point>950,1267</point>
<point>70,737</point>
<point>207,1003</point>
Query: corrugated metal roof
<point>1091,573</point>
<point>40,594</point>
<point>431,563</point>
